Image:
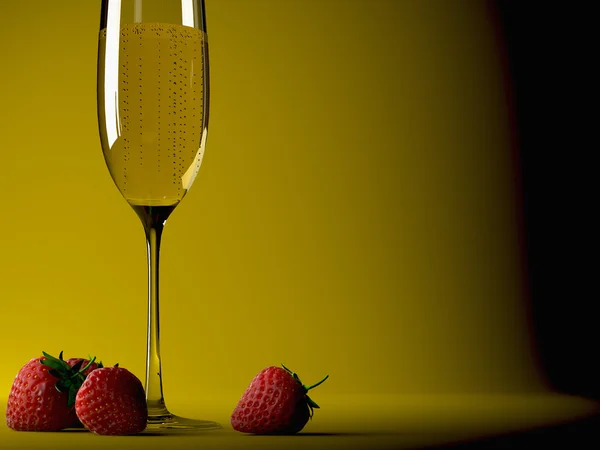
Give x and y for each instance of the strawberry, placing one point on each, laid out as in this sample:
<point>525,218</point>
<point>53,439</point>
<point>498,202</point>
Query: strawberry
<point>274,403</point>
<point>91,365</point>
<point>43,393</point>
<point>112,401</point>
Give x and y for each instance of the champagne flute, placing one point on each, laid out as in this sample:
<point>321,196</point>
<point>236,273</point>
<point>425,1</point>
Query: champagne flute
<point>153,118</point>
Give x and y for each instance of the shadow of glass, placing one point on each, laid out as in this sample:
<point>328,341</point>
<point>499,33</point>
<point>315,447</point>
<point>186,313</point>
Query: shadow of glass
<point>313,434</point>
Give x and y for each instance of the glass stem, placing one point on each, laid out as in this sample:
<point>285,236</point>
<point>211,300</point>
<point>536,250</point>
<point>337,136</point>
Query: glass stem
<point>154,389</point>
<point>153,219</point>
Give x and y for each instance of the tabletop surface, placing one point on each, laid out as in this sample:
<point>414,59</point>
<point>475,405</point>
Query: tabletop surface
<point>351,422</point>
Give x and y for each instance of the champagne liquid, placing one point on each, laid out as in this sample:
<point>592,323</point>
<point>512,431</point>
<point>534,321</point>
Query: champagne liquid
<point>152,109</point>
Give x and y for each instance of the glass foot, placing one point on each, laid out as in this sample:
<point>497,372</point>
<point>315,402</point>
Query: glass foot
<point>170,423</point>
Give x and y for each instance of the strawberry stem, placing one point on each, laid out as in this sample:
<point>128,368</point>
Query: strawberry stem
<point>289,371</point>
<point>90,362</point>
<point>308,388</point>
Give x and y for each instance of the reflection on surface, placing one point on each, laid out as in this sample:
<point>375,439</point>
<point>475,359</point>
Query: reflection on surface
<point>368,421</point>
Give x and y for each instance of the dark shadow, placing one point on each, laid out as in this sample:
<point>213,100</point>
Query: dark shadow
<point>337,434</point>
<point>574,434</point>
<point>577,434</point>
<point>150,433</point>
<point>179,433</point>
<point>547,49</point>
<point>301,434</point>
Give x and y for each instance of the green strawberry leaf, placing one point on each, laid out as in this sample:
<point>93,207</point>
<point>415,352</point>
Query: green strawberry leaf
<point>72,395</point>
<point>54,364</point>
<point>55,373</point>
<point>311,403</point>
<point>63,385</point>
<point>70,378</point>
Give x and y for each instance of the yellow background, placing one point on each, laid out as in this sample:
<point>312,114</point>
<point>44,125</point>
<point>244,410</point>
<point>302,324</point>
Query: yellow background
<point>355,213</point>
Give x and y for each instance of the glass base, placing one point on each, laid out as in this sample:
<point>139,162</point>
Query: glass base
<point>170,423</point>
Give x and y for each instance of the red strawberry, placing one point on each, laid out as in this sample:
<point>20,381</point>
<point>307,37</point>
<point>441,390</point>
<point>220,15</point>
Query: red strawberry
<point>274,403</point>
<point>42,396</point>
<point>91,365</point>
<point>112,401</point>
